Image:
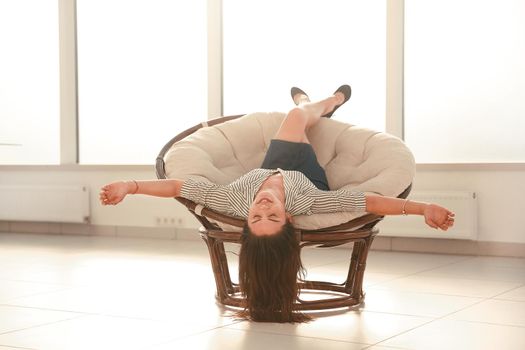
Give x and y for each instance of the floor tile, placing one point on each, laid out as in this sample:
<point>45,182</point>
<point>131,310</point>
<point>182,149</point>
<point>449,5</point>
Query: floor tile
<point>15,318</point>
<point>93,332</point>
<point>481,269</point>
<point>498,261</point>
<point>511,313</point>
<point>101,269</point>
<point>517,294</point>
<point>460,335</point>
<point>358,327</point>
<point>91,292</point>
<point>408,263</point>
<point>417,304</point>
<point>16,289</point>
<point>233,339</point>
<point>448,286</point>
<point>39,273</point>
<point>145,301</point>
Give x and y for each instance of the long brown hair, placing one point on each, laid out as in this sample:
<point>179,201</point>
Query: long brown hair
<point>268,271</point>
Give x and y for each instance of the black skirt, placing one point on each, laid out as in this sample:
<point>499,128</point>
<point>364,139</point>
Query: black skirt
<point>296,156</point>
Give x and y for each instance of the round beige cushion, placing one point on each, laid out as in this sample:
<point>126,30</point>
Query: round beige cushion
<point>353,157</point>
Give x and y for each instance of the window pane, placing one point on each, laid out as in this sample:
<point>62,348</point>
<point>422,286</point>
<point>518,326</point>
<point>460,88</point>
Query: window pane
<point>142,76</point>
<point>270,46</point>
<point>29,82</point>
<point>465,80</point>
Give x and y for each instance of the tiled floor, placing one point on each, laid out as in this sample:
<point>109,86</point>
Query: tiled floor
<point>96,293</point>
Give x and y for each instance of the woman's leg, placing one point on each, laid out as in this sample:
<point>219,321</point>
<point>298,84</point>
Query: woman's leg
<point>305,115</point>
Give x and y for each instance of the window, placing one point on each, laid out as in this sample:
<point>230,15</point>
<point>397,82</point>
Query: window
<point>465,80</point>
<point>270,46</point>
<point>142,76</point>
<point>29,82</point>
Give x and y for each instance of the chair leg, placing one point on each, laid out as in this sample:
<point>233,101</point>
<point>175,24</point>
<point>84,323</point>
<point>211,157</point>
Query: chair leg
<point>362,254</point>
<point>223,264</point>
<point>216,264</point>
<point>354,261</point>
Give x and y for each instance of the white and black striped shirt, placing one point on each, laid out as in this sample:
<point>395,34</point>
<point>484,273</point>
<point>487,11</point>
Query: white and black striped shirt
<point>301,195</point>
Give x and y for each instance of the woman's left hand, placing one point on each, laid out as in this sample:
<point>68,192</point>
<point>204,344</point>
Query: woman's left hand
<point>438,217</point>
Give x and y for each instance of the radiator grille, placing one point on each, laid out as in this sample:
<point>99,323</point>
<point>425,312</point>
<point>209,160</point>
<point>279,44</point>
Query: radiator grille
<point>44,203</point>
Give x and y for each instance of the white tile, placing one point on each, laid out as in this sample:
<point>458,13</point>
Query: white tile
<point>373,278</point>
<point>32,273</point>
<point>16,289</point>
<point>407,263</point>
<point>459,335</point>
<point>417,304</point>
<point>14,318</point>
<point>481,269</point>
<point>138,270</point>
<point>104,265</point>
<point>498,261</point>
<point>448,286</point>
<point>517,294</point>
<point>353,326</point>
<point>504,312</point>
<point>195,307</point>
<point>93,332</point>
<point>164,233</point>
<point>233,339</point>
<point>140,292</point>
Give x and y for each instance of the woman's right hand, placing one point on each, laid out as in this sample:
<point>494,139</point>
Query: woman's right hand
<point>113,193</point>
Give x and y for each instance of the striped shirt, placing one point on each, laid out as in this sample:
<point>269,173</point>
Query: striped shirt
<point>301,195</point>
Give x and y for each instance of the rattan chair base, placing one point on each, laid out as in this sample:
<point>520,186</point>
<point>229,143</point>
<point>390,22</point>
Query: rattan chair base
<point>332,295</point>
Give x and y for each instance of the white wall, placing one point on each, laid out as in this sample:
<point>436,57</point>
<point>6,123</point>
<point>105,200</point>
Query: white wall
<point>500,190</point>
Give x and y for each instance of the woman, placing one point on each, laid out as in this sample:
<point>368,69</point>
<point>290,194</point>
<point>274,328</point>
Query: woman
<point>290,182</point>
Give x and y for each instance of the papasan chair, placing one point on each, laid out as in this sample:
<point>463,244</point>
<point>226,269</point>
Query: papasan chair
<point>223,149</point>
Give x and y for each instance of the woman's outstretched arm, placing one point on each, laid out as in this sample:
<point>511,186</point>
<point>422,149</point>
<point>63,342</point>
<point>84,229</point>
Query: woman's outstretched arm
<point>115,192</point>
<point>435,215</point>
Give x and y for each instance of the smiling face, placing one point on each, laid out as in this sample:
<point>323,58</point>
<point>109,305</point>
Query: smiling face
<point>267,214</point>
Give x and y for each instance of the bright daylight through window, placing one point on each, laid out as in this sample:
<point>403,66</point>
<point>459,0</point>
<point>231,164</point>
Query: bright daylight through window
<point>29,82</point>
<point>465,80</point>
<point>272,45</point>
<point>142,76</point>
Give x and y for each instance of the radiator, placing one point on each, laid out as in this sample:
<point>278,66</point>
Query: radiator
<point>462,203</point>
<point>44,203</point>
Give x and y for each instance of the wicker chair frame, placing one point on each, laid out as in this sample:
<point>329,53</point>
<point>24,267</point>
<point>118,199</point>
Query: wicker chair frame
<point>360,231</point>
